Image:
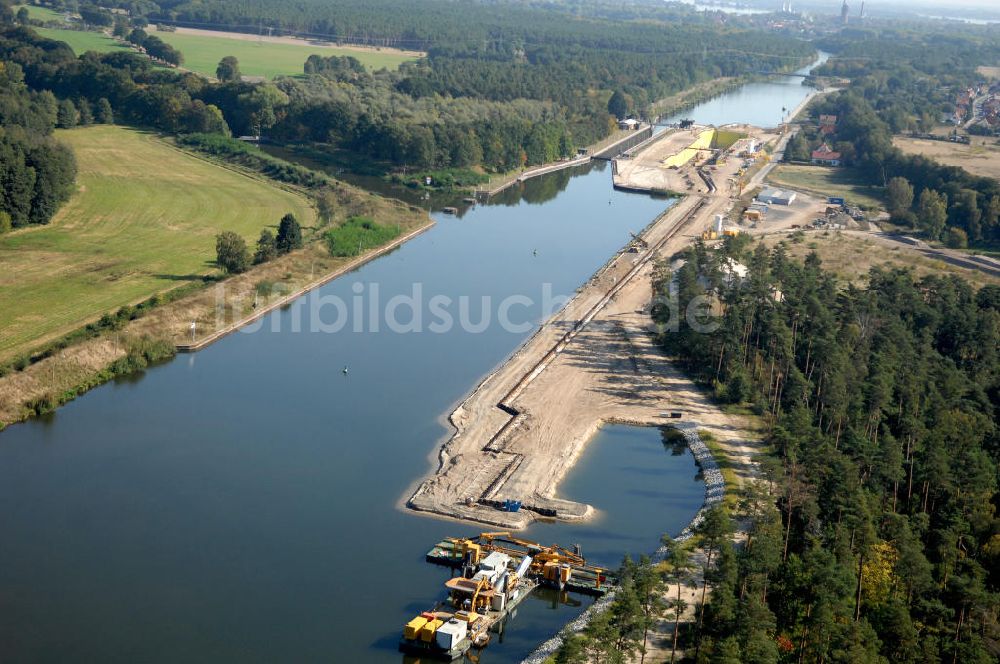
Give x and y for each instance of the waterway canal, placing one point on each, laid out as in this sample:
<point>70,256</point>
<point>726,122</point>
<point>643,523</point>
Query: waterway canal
<point>241,504</point>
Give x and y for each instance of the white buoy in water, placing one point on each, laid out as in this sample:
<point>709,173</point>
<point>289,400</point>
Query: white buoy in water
<point>345,369</point>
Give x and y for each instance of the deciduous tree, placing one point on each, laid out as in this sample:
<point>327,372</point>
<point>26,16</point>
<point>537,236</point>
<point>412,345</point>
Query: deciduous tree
<point>932,213</point>
<point>228,69</point>
<point>900,195</point>
<point>231,252</point>
<point>267,247</point>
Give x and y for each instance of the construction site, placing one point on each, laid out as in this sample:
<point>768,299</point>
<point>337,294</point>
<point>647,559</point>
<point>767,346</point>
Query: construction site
<point>695,159</point>
<point>495,573</point>
<point>596,361</point>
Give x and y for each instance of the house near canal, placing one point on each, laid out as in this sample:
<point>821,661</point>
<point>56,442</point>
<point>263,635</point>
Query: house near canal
<point>824,156</point>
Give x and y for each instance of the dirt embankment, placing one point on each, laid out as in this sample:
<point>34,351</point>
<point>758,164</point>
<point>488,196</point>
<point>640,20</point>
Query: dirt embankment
<point>523,428</point>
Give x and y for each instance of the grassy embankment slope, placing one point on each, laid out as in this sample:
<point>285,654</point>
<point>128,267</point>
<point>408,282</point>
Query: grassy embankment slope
<point>143,221</point>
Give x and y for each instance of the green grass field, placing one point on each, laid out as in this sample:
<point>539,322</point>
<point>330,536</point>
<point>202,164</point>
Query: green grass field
<point>203,52</point>
<point>143,221</point>
<point>81,41</point>
<point>825,181</point>
<point>41,13</point>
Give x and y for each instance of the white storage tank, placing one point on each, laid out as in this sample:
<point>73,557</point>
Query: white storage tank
<point>450,634</point>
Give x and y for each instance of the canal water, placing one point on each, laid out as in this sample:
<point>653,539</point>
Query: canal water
<point>241,504</point>
<point>764,103</point>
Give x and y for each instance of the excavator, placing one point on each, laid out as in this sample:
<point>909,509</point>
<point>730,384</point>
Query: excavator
<point>639,241</point>
<point>554,564</point>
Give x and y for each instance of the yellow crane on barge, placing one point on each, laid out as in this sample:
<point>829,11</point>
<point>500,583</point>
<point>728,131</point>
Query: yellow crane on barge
<point>498,571</point>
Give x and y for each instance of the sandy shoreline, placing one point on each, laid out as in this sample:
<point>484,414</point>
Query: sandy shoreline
<point>525,425</point>
<point>596,361</point>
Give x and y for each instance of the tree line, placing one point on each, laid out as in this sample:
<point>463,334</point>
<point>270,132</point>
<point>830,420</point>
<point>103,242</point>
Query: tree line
<point>530,95</point>
<point>875,536</point>
<point>155,47</point>
<point>649,593</point>
<point>36,171</point>
<point>233,255</point>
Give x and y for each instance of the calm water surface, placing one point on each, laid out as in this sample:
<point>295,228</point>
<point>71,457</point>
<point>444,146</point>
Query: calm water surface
<point>759,104</point>
<point>240,504</point>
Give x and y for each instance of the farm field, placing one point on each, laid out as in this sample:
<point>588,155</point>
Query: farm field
<point>143,221</point>
<point>82,41</point>
<point>203,50</point>
<point>41,13</point>
<point>980,158</point>
<point>825,181</point>
<point>989,72</point>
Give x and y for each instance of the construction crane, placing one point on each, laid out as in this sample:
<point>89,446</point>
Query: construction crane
<point>540,554</point>
<point>638,240</point>
<point>554,565</point>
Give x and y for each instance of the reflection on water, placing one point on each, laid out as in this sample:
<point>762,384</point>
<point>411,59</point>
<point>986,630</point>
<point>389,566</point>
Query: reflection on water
<point>762,103</point>
<point>536,190</point>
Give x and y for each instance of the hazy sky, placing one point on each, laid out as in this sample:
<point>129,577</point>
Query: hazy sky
<point>936,7</point>
<point>944,6</point>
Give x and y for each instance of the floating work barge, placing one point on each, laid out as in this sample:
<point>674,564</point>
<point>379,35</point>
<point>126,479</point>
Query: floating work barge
<point>497,572</point>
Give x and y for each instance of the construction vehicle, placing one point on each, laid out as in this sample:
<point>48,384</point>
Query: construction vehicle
<point>482,597</point>
<point>498,571</point>
<point>639,241</point>
<point>467,552</point>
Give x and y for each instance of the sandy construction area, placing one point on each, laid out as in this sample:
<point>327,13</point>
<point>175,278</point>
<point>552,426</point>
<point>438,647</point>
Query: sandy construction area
<point>524,427</point>
<point>649,169</point>
<point>646,171</point>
